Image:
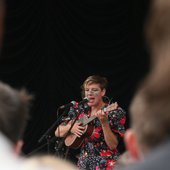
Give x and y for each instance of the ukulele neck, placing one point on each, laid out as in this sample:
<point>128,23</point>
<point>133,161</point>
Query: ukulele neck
<point>85,122</point>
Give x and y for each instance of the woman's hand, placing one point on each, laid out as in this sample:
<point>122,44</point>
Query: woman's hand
<point>102,116</point>
<point>103,113</point>
<point>111,107</point>
<point>77,129</point>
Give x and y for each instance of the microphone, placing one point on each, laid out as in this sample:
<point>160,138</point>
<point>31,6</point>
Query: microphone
<point>72,103</point>
<point>85,100</point>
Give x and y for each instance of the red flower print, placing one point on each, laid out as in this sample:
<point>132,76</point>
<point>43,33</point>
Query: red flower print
<point>96,133</point>
<point>122,121</point>
<point>81,115</point>
<point>110,164</point>
<point>106,153</point>
<point>76,105</point>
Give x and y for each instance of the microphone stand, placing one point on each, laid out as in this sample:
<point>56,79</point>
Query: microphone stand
<point>46,135</point>
<point>42,146</point>
<point>61,143</point>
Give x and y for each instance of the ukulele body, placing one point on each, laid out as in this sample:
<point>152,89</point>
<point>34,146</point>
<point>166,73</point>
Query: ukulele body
<point>75,142</point>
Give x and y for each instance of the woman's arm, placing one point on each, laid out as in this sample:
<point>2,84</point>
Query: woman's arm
<point>62,129</point>
<point>109,136</point>
<point>109,128</point>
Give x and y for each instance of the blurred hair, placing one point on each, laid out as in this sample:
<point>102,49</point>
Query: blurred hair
<point>150,108</point>
<point>14,111</point>
<point>48,162</point>
<point>150,112</point>
<point>157,27</point>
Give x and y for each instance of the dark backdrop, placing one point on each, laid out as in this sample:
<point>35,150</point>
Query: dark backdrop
<point>51,46</point>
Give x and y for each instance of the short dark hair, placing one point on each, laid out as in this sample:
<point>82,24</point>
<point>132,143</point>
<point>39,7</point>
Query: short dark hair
<point>96,79</point>
<point>14,111</point>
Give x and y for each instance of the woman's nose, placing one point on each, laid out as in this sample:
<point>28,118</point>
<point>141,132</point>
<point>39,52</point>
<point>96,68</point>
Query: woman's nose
<point>90,92</point>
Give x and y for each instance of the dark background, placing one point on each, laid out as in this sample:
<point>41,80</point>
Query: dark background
<point>51,46</point>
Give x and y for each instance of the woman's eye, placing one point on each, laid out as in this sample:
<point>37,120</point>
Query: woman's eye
<point>95,90</point>
<point>91,90</point>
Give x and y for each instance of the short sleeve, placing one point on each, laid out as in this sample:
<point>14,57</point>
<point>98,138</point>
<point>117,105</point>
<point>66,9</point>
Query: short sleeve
<point>117,119</point>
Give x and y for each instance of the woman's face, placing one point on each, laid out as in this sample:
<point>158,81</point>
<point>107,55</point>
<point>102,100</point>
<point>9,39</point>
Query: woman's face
<point>94,93</point>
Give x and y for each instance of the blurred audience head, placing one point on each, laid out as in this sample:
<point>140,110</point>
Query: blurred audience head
<point>14,112</point>
<point>150,108</point>
<point>150,112</point>
<point>48,162</point>
<point>158,30</point>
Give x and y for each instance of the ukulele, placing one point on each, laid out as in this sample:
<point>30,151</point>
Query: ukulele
<point>75,142</point>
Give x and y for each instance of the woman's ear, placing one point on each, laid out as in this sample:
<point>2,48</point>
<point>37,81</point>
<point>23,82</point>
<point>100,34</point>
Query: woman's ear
<point>131,144</point>
<point>103,92</point>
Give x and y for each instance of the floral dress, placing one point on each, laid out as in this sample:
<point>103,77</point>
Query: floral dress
<point>94,152</point>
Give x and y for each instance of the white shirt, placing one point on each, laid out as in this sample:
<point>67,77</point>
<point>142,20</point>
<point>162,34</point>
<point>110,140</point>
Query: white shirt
<point>8,159</point>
